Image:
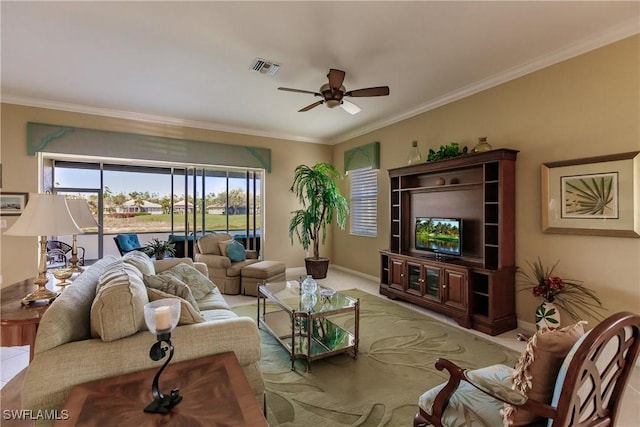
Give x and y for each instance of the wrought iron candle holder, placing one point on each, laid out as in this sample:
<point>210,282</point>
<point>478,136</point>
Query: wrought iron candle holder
<point>162,317</point>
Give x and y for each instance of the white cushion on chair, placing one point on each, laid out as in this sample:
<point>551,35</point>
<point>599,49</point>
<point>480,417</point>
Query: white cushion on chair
<point>469,406</point>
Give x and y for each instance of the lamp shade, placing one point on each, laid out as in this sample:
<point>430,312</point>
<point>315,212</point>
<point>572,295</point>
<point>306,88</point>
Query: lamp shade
<point>81,214</point>
<point>45,215</point>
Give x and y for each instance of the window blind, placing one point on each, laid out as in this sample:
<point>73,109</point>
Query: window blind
<point>364,202</point>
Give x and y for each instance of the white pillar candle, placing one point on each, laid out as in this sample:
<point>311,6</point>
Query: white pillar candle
<point>163,318</point>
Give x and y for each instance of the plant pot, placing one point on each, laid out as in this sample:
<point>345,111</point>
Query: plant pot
<point>547,316</point>
<point>317,268</point>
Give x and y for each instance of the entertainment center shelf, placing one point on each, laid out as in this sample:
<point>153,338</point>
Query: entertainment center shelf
<point>476,288</point>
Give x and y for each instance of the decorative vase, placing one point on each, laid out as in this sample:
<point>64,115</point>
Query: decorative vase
<point>547,316</point>
<point>308,301</point>
<point>482,145</point>
<point>309,285</point>
<point>414,154</point>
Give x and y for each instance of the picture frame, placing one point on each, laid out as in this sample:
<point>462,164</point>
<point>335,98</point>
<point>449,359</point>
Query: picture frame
<point>597,196</point>
<point>13,204</point>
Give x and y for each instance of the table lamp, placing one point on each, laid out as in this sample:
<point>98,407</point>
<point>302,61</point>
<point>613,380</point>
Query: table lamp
<point>81,214</point>
<point>44,215</point>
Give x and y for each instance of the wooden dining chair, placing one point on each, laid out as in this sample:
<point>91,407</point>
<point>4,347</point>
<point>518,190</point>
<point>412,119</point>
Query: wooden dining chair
<point>588,389</point>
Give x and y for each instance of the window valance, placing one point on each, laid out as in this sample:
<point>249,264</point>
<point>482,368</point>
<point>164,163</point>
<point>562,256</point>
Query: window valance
<point>91,142</point>
<point>361,157</point>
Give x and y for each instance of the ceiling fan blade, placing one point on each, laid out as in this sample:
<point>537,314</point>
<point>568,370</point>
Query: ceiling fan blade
<point>350,107</point>
<point>336,77</point>
<point>370,91</point>
<point>299,91</point>
<point>310,106</point>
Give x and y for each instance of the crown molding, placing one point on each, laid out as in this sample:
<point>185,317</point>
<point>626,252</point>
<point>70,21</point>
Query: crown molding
<point>628,29</point>
<point>150,118</point>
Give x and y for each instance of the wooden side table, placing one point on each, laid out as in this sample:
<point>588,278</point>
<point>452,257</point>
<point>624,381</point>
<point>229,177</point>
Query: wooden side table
<point>19,323</point>
<point>214,392</point>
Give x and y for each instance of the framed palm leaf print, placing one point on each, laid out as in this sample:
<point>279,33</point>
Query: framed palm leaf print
<point>592,196</point>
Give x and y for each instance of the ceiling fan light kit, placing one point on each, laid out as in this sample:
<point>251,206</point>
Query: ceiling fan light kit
<point>332,93</point>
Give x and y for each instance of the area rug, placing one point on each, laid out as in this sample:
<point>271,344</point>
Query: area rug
<point>395,365</point>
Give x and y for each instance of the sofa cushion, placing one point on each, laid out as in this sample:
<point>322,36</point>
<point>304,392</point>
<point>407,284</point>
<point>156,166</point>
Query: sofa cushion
<point>188,314</point>
<point>199,284</point>
<point>171,285</point>
<point>118,307</point>
<point>537,368</point>
<point>213,300</point>
<point>141,261</point>
<point>218,314</point>
<point>66,320</point>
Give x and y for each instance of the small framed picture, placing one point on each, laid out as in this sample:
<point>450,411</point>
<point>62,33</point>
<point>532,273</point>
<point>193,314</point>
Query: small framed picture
<point>13,203</point>
<point>595,196</point>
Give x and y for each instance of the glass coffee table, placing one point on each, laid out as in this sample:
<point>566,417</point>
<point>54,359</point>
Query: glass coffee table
<point>303,324</point>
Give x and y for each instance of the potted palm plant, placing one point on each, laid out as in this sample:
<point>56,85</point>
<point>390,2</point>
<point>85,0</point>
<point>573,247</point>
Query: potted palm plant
<point>316,189</point>
<point>160,248</point>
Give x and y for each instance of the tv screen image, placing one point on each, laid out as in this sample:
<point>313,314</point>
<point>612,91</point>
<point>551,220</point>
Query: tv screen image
<point>440,235</point>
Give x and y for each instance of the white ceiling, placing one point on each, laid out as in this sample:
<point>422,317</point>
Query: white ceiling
<point>188,62</point>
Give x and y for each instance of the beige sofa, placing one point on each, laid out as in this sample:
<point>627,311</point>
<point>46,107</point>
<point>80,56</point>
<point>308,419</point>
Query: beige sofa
<point>222,271</point>
<point>66,354</point>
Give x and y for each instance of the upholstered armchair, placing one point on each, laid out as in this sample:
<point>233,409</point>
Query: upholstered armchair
<point>586,390</point>
<point>224,271</point>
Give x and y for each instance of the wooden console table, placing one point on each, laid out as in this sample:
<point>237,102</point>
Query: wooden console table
<point>214,389</point>
<point>19,322</point>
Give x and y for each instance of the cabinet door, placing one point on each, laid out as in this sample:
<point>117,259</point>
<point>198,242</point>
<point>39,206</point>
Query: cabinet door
<point>454,288</point>
<point>414,279</point>
<point>431,277</point>
<point>396,273</point>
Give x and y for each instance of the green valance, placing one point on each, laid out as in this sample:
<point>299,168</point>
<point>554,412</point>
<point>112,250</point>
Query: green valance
<point>100,143</point>
<point>361,157</point>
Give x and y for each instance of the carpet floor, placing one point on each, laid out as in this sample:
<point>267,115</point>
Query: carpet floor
<point>395,365</point>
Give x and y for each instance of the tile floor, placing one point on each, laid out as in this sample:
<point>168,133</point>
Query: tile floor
<point>15,359</point>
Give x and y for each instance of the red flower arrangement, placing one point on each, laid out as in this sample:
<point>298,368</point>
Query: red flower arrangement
<point>548,288</point>
<point>570,295</point>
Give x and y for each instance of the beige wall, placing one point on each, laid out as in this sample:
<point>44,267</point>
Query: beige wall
<point>20,173</point>
<point>582,107</point>
<point>586,106</point>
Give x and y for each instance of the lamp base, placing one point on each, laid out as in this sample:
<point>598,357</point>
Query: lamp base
<point>75,268</point>
<point>40,294</point>
<point>165,404</point>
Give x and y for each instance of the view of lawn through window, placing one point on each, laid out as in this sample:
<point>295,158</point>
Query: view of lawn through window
<point>139,199</point>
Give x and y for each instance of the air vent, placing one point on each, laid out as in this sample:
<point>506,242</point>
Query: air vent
<point>263,66</point>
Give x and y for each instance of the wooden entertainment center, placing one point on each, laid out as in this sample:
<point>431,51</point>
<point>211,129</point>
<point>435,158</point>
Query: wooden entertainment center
<point>477,289</point>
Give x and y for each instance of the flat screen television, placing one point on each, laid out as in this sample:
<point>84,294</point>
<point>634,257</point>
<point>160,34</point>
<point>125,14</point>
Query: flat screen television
<point>439,235</point>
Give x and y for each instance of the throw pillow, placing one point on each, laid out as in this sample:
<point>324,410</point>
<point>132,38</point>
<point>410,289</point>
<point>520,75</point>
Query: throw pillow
<point>537,369</point>
<point>188,314</point>
<point>141,261</point>
<point>199,284</point>
<point>222,246</point>
<point>171,285</point>
<point>236,252</point>
<point>118,308</point>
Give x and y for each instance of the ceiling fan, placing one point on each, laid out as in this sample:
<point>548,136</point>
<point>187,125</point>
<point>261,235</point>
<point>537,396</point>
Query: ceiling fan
<point>333,93</point>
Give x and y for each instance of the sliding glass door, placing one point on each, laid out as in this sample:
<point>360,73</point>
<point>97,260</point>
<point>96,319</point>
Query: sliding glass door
<point>168,202</point>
